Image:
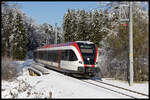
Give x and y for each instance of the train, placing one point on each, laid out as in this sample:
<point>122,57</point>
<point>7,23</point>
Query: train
<point>75,58</point>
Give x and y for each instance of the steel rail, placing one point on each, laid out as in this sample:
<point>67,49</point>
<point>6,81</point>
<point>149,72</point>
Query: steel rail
<point>108,89</point>
<point>122,88</point>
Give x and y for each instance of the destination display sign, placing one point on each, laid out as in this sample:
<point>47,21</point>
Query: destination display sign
<point>85,46</point>
<point>86,50</point>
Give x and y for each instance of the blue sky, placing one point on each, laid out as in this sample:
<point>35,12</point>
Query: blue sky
<point>53,12</point>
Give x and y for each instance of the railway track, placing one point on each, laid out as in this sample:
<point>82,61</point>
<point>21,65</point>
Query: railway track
<point>117,89</point>
<point>123,88</point>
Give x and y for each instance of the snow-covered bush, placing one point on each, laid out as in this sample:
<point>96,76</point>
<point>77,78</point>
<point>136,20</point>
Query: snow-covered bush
<point>9,69</point>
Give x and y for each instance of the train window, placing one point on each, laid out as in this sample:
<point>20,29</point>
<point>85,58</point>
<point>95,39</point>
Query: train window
<point>72,56</point>
<point>65,55</point>
<point>41,55</point>
<point>52,56</point>
<point>56,56</point>
<point>48,54</point>
<point>68,55</point>
<point>45,55</point>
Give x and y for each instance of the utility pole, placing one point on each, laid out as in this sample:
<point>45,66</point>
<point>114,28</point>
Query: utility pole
<point>56,33</point>
<point>131,47</point>
<point>123,18</point>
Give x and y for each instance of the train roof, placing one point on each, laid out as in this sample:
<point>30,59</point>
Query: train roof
<point>65,44</point>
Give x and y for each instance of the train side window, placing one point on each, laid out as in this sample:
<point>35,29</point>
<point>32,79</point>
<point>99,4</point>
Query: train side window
<point>41,53</point>
<point>54,55</point>
<point>49,56</point>
<point>72,56</point>
<point>65,55</point>
<point>40,56</point>
<point>68,55</point>
<point>45,55</point>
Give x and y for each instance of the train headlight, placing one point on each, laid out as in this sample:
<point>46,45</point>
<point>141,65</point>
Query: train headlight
<point>96,63</point>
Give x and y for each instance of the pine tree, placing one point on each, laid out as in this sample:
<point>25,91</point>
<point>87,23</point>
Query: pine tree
<point>66,26</point>
<point>74,24</point>
<point>82,28</point>
<point>20,39</point>
<point>6,29</point>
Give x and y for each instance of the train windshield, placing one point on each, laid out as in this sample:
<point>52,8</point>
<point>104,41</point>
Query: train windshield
<point>88,52</point>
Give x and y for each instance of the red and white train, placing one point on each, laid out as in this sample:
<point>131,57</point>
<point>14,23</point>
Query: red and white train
<point>79,57</point>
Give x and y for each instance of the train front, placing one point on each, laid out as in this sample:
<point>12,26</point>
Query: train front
<point>89,55</point>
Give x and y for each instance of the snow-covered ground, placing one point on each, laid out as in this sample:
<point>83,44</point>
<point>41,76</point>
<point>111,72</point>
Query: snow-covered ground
<point>139,87</point>
<point>57,85</point>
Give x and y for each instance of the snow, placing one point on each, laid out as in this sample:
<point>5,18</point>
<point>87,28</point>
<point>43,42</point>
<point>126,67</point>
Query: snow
<point>123,85</point>
<point>139,87</point>
<point>57,85</point>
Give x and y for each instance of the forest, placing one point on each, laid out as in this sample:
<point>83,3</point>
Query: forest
<point>21,35</point>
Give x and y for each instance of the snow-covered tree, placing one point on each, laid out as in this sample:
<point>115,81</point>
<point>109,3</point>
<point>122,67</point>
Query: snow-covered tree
<point>118,44</point>
<point>66,26</point>
<point>6,27</point>
<point>85,26</point>
<point>20,39</point>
